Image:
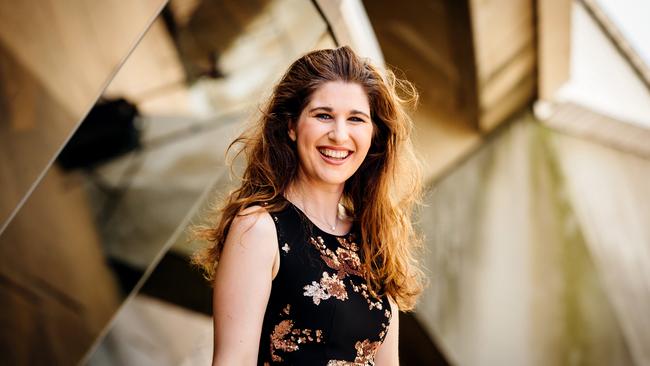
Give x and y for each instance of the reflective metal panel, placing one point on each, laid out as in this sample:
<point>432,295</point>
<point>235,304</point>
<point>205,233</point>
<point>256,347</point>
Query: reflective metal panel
<point>55,60</point>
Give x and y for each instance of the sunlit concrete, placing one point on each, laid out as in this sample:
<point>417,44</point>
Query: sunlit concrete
<point>151,332</point>
<point>514,278</point>
<point>609,192</point>
<point>601,79</point>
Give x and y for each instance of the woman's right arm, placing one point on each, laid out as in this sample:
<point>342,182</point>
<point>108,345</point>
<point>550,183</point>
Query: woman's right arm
<point>242,287</point>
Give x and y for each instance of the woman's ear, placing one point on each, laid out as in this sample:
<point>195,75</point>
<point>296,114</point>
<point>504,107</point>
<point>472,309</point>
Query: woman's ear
<point>292,134</point>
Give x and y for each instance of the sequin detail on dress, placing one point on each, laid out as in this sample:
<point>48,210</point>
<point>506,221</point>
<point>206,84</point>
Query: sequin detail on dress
<point>363,289</point>
<point>328,287</point>
<point>382,334</point>
<point>318,310</point>
<point>344,260</point>
<point>286,338</point>
<point>366,352</point>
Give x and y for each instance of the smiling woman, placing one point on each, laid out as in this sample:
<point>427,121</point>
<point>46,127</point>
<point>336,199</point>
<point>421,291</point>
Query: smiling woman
<point>312,256</point>
<point>332,135</point>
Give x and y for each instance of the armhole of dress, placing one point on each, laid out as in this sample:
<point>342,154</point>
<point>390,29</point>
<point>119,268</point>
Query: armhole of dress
<point>281,242</point>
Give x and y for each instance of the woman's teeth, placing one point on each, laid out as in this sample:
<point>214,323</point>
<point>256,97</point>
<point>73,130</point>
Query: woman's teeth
<point>336,154</point>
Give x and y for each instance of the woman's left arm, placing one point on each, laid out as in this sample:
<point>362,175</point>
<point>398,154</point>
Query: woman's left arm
<point>387,355</point>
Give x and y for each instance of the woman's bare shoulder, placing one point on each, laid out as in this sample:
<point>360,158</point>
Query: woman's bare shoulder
<point>251,244</point>
<point>252,224</point>
<point>242,286</point>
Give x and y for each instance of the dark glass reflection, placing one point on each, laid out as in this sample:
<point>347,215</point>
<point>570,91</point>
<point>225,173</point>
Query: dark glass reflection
<point>54,62</point>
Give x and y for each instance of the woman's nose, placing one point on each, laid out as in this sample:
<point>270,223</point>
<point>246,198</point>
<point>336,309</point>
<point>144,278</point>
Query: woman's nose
<point>339,132</point>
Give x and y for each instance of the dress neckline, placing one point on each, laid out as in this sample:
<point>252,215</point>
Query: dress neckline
<point>304,215</point>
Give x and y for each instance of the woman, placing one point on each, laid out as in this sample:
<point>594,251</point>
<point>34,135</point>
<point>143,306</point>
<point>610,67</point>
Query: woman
<point>315,247</point>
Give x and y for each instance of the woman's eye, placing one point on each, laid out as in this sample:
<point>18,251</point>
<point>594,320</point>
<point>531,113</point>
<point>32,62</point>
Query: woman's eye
<point>323,116</point>
<point>357,119</point>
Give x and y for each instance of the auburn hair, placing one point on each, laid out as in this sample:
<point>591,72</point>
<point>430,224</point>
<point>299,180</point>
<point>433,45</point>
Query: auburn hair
<point>380,196</point>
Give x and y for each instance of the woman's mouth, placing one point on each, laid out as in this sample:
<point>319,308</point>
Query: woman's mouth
<point>335,154</point>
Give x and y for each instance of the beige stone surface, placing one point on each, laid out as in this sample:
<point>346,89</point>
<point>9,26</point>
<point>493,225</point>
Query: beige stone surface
<point>148,331</point>
<point>514,278</point>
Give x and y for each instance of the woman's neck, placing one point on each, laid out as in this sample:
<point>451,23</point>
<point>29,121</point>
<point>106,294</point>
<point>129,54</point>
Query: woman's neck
<point>317,201</point>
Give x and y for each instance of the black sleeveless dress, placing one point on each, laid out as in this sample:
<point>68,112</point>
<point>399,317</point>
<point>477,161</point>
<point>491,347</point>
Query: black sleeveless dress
<point>320,311</point>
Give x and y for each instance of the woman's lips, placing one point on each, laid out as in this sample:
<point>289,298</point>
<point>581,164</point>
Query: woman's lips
<point>334,153</point>
<point>334,156</point>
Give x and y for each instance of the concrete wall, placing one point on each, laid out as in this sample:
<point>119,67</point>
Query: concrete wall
<point>537,255</point>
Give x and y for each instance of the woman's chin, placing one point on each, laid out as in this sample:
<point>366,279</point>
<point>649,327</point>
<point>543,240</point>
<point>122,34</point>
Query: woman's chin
<point>328,179</point>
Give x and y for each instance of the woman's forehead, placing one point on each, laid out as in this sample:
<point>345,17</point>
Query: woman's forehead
<point>340,96</point>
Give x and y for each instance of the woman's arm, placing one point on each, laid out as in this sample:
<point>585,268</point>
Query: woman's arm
<point>242,286</point>
<point>387,355</point>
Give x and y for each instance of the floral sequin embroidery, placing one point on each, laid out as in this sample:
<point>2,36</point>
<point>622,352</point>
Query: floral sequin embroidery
<point>366,351</point>
<point>279,339</point>
<point>344,260</point>
<point>329,286</point>
<point>341,278</point>
<point>363,289</point>
<point>384,327</point>
<point>286,338</point>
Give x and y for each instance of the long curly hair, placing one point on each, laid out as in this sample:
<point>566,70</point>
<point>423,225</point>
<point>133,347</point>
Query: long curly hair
<point>380,196</point>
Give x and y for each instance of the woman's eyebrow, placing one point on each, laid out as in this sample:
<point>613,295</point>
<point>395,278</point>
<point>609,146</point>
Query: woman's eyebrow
<point>327,109</point>
<point>354,111</point>
<point>331,110</point>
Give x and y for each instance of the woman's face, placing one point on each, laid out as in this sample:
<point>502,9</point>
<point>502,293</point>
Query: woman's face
<point>333,133</point>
